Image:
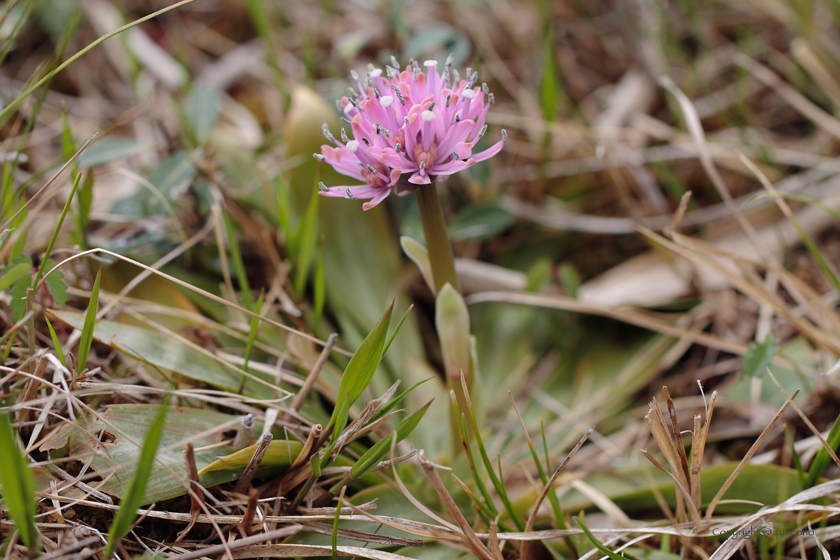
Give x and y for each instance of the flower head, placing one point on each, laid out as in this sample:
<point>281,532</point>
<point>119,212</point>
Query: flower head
<point>410,122</point>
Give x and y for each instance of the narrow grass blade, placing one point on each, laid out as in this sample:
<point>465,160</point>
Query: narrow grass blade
<point>18,485</point>
<point>372,456</point>
<point>320,289</point>
<point>597,544</point>
<point>822,458</point>
<point>307,240</point>
<point>397,329</point>
<point>238,265</point>
<point>137,487</point>
<point>552,496</point>
<point>397,400</point>
<point>86,339</point>
<point>56,230</point>
<point>57,343</point>
<point>335,529</point>
<point>282,207</point>
<point>252,337</point>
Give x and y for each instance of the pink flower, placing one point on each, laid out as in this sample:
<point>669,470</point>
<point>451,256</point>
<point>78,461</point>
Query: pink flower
<point>420,124</point>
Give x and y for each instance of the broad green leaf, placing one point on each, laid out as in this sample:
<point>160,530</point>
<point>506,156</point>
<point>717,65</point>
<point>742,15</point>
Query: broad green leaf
<point>55,284</point>
<point>86,340</point>
<point>127,423</point>
<point>172,172</point>
<point>359,372</point>
<point>136,490</point>
<point>17,484</point>
<point>203,106</point>
<point>758,356</point>
<point>167,353</point>
<point>380,449</point>
<point>479,222</point>
<point>109,150</point>
<point>419,255</point>
<point>14,273</point>
<point>18,301</point>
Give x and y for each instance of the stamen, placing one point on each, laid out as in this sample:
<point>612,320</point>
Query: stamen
<point>319,157</point>
<point>394,62</point>
<point>398,147</point>
<point>449,59</point>
<point>366,141</point>
<point>353,102</point>
<point>457,117</point>
<point>353,145</point>
<point>482,131</point>
<point>448,99</point>
<point>371,67</point>
<point>345,119</point>
<point>485,89</point>
<point>378,128</point>
<point>491,99</point>
<point>391,73</point>
<point>455,156</point>
<point>504,135</point>
<point>354,75</point>
<point>344,136</point>
<point>446,75</point>
<point>322,187</point>
<point>431,105</point>
<point>376,92</point>
<point>414,73</point>
<point>350,195</point>
<point>327,134</point>
<point>456,76</point>
<point>422,165</point>
<point>371,169</point>
<point>352,92</point>
<point>386,132</point>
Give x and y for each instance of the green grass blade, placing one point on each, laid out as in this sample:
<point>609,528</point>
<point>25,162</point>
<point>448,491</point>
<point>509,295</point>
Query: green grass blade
<point>86,339</point>
<point>14,104</point>
<point>552,496</point>
<point>282,206</point>
<point>56,230</point>
<point>320,289</point>
<point>597,544</point>
<point>372,456</point>
<point>137,487</point>
<point>238,265</point>
<point>335,530</point>
<point>396,401</point>
<point>307,240</point>
<point>57,343</point>
<point>252,336</point>
<point>822,458</point>
<point>397,329</point>
<point>18,485</point>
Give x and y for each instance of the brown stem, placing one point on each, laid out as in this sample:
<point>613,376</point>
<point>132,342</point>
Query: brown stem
<point>437,241</point>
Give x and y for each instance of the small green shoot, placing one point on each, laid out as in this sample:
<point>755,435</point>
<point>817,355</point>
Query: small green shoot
<point>18,486</point>
<point>57,343</point>
<point>86,340</point>
<point>758,356</point>
<point>597,544</point>
<point>137,487</point>
<point>56,230</point>
<point>252,337</point>
<point>238,265</point>
<point>307,238</point>
<point>282,206</point>
<point>822,458</point>
<point>320,289</point>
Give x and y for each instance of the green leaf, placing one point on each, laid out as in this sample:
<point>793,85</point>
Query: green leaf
<point>85,201</point>
<point>282,207</point>
<point>758,356</point>
<point>57,343</point>
<point>307,239</point>
<point>111,149</point>
<point>68,142</point>
<point>133,498</point>
<point>252,333</point>
<point>14,273</point>
<point>359,373</point>
<point>18,301</point>
<point>822,457</point>
<point>320,287</point>
<point>397,400</point>
<point>372,456</point>
<point>549,84</point>
<point>203,107</point>
<point>238,265</point>
<point>86,340</point>
<point>17,484</point>
<point>173,171</point>
<point>419,255</point>
<point>479,222</point>
<point>56,286</point>
<point>597,544</point>
<point>168,353</point>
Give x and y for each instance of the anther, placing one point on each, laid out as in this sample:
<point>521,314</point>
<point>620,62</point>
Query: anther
<point>422,165</point>
<point>345,119</point>
<point>371,169</point>
<point>431,105</point>
<point>366,141</point>
<point>322,187</point>
<point>449,59</point>
<point>371,67</point>
<point>485,89</point>
<point>398,147</point>
<point>344,136</point>
<point>414,73</point>
<point>319,157</point>
<point>504,135</point>
<point>455,156</point>
<point>491,99</point>
<point>350,195</point>
<point>482,131</point>
<point>448,99</point>
<point>394,62</point>
<point>354,75</point>
<point>378,128</point>
<point>457,117</point>
<point>327,134</point>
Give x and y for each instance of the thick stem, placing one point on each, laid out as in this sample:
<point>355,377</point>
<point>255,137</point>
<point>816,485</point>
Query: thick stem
<point>437,241</point>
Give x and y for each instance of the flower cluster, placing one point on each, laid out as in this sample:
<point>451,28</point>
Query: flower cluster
<point>408,122</point>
